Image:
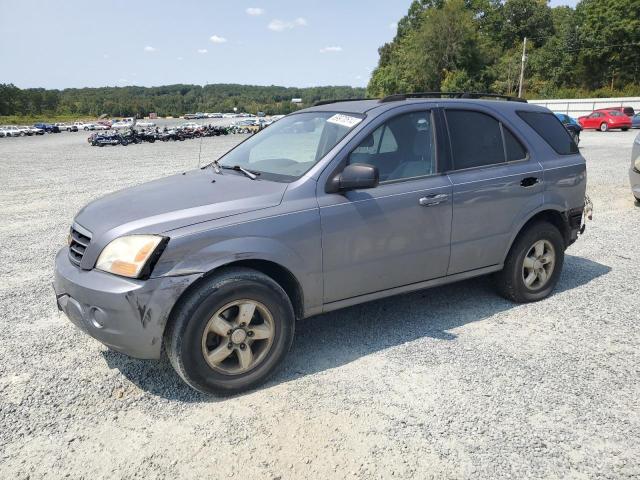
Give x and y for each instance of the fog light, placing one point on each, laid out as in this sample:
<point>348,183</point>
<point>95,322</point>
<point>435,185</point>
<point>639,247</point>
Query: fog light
<point>97,317</point>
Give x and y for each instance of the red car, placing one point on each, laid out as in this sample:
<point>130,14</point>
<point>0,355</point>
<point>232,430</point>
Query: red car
<point>606,119</point>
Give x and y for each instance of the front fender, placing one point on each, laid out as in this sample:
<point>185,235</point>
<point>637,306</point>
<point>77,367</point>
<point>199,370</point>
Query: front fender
<point>291,241</point>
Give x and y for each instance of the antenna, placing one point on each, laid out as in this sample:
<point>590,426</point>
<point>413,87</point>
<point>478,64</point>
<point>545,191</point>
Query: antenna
<point>200,151</point>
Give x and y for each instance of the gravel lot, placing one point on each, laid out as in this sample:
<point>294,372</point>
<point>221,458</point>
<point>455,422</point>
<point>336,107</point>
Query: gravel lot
<point>453,382</point>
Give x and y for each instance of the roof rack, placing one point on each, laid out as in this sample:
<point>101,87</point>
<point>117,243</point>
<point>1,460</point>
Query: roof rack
<point>327,102</point>
<point>474,95</point>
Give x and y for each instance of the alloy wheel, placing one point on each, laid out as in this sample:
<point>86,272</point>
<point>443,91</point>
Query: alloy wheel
<point>238,337</point>
<point>538,265</point>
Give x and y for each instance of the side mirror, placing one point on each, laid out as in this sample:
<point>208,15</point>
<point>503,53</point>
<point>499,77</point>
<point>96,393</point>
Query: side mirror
<point>354,177</point>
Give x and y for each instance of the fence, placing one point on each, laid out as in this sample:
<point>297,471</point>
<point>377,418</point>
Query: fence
<point>577,107</point>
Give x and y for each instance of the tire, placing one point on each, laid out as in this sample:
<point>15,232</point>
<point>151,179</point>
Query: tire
<point>510,281</point>
<point>124,143</point>
<point>185,340</point>
<point>624,129</point>
<point>604,127</point>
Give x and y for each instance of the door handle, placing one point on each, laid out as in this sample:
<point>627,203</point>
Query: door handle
<point>431,200</point>
<point>529,182</point>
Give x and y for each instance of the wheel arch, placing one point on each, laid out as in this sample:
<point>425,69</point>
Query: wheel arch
<point>278,273</point>
<point>557,218</point>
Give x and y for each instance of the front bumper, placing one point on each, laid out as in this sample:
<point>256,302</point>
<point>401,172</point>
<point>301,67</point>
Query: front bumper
<point>125,314</point>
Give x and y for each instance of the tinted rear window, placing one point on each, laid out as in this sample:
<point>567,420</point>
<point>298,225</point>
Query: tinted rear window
<point>476,139</point>
<point>551,130</point>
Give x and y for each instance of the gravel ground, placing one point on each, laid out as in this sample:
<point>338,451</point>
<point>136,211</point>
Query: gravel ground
<point>452,382</point>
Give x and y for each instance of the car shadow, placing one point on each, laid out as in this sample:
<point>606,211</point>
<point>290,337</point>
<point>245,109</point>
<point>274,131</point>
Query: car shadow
<point>333,339</point>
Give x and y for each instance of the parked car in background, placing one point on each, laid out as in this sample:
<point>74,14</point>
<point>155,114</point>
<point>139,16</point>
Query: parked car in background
<point>122,124</point>
<point>47,127</point>
<point>634,171</point>
<point>33,130</point>
<point>571,124</point>
<point>635,121</point>
<point>13,131</point>
<point>86,126</point>
<point>66,127</point>
<point>628,111</point>
<point>605,120</point>
<point>145,124</point>
<point>332,206</point>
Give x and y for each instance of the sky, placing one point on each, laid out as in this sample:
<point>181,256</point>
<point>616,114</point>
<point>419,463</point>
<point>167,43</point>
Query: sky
<point>73,43</point>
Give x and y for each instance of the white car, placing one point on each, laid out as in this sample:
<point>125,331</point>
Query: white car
<point>33,130</point>
<point>145,124</point>
<point>190,125</point>
<point>13,131</point>
<point>85,125</point>
<point>66,127</point>
<point>124,123</point>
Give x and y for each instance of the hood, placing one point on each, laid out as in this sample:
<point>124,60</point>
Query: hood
<point>178,201</point>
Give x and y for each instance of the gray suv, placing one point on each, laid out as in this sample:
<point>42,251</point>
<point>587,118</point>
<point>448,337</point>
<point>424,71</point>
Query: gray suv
<point>332,206</point>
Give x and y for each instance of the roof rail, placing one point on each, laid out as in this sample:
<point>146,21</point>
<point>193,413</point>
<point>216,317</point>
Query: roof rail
<point>475,95</point>
<point>327,102</point>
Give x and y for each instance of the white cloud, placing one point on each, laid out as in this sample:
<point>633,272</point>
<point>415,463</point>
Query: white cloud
<point>149,49</point>
<point>358,77</point>
<point>254,12</point>
<point>330,49</point>
<point>217,39</point>
<point>203,50</point>
<point>281,25</point>
<point>180,59</point>
<point>393,26</point>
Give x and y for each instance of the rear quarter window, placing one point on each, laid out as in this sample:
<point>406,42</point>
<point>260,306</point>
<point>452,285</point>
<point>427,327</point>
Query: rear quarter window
<point>551,130</point>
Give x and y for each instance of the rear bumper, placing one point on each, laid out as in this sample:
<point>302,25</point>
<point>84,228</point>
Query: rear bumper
<point>127,315</point>
<point>634,180</point>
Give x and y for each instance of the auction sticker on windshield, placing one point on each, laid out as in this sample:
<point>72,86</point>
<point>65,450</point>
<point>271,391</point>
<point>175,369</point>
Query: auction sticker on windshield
<point>344,120</point>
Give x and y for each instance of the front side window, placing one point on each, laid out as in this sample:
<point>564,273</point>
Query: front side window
<point>400,148</point>
<point>288,148</point>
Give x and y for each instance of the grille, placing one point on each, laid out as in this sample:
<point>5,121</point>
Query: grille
<point>77,246</point>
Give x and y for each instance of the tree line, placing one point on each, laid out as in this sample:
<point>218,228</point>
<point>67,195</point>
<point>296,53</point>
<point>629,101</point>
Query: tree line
<point>170,100</point>
<point>476,45</point>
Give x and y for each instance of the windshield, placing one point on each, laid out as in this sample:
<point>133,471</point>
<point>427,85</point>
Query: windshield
<point>288,148</point>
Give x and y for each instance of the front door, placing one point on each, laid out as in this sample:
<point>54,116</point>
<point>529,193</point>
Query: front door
<point>397,233</point>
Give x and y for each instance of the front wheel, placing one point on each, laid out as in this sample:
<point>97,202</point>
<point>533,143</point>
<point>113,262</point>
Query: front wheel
<point>624,129</point>
<point>533,265</point>
<point>604,127</point>
<point>231,333</point>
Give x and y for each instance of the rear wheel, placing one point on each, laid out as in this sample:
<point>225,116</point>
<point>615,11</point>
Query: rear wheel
<point>231,333</point>
<point>604,127</point>
<point>624,129</point>
<point>533,265</point>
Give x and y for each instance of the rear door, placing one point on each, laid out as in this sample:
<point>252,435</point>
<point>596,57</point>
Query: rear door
<point>495,183</point>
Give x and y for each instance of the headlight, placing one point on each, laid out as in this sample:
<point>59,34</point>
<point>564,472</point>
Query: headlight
<point>127,256</point>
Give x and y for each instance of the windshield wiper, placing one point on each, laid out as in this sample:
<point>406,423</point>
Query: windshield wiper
<point>238,168</point>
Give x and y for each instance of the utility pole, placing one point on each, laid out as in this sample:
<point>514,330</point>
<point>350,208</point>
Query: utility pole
<point>524,58</point>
